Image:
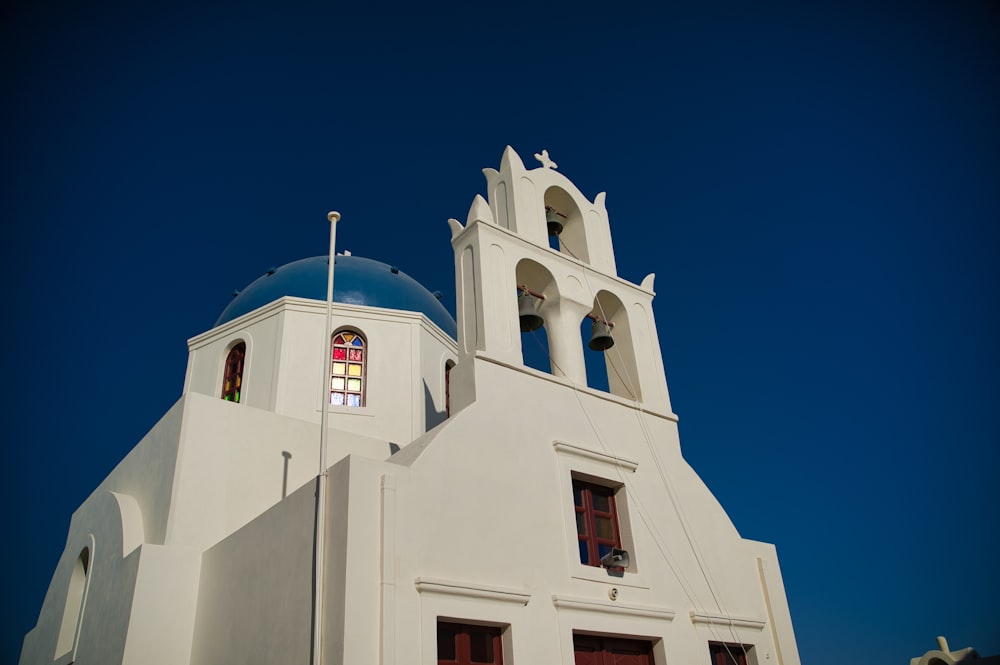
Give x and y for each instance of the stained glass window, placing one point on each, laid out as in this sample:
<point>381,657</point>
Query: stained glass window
<point>347,369</point>
<point>232,374</point>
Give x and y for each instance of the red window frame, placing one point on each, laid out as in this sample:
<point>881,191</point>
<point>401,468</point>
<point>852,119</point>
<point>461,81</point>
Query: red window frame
<point>724,653</point>
<point>468,644</point>
<point>596,650</point>
<point>232,373</point>
<point>595,505</point>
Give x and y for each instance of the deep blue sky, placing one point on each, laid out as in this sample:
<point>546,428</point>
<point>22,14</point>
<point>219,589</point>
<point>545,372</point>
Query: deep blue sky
<point>815,185</point>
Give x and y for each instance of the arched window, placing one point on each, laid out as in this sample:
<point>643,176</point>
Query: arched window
<point>232,377</point>
<point>74,604</point>
<point>447,388</point>
<point>348,362</point>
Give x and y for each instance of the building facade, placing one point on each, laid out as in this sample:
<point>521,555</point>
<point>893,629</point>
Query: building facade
<point>476,509</point>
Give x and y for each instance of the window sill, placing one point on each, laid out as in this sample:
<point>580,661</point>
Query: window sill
<point>598,574</point>
<point>351,410</point>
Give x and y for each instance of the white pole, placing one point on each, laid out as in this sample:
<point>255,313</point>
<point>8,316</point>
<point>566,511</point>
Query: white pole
<point>324,435</point>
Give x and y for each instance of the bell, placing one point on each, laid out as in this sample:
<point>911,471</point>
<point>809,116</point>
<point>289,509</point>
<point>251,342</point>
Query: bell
<point>553,222</point>
<point>530,319</point>
<point>600,336</point>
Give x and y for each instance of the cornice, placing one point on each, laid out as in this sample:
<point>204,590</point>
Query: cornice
<point>471,590</point>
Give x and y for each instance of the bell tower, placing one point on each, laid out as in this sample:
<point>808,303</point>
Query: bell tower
<point>510,277</point>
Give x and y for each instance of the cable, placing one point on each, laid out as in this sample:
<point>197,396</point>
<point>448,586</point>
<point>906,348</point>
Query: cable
<point>634,496</point>
<point>647,436</point>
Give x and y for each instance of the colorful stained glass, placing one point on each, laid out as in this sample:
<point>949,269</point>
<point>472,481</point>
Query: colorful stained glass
<point>233,375</point>
<point>347,369</point>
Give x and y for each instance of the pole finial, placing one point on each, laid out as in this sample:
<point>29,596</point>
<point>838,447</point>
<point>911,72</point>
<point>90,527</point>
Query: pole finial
<point>333,216</point>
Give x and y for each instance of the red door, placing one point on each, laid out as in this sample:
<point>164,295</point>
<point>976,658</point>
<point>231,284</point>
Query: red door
<point>593,650</point>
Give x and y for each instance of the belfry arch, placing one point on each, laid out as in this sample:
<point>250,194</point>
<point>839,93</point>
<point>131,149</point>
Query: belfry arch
<point>572,238</point>
<point>536,283</point>
<point>505,246</point>
<point>620,359</point>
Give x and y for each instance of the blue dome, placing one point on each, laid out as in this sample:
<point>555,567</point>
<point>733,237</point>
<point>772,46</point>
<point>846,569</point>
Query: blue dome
<point>356,281</point>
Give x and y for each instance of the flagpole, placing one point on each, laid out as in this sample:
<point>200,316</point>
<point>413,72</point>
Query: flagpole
<point>320,535</point>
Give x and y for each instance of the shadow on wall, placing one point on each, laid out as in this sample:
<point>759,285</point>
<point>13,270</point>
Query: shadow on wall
<point>432,417</point>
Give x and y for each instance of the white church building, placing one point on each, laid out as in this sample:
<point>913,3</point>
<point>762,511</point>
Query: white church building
<point>473,509</point>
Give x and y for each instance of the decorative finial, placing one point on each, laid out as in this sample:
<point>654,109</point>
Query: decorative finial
<point>545,160</point>
<point>333,216</point>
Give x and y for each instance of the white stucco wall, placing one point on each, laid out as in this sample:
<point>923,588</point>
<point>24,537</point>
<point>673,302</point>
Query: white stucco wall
<point>487,503</point>
<point>254,602</point>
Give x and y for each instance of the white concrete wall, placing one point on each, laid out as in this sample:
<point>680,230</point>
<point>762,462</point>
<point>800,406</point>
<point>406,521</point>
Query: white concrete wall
<point>284,365</point>
<point>486,504</point>
<point>235,461</point>
<point>476,524</point>
<point>161,623</point>
<point>261,331</point>
<point>351,615</point>
<point>201,539</point>
<point>98,525</point>
<point>129,508</point>
<point>255,596</point>
<point>433,358</point>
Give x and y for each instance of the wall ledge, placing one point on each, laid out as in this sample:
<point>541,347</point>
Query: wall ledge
<point>471,590</point>
<point>724,620</point>
<point>608,607</point>
<point>604,458</point>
